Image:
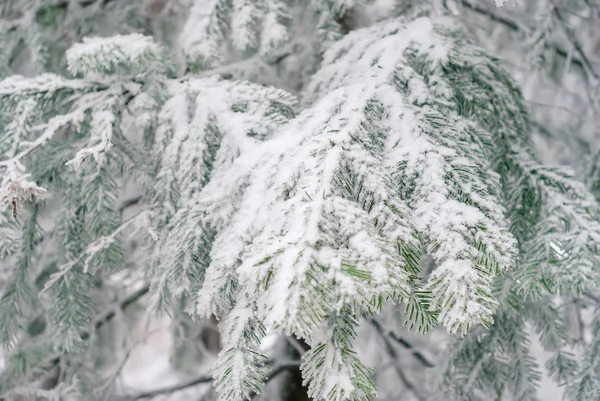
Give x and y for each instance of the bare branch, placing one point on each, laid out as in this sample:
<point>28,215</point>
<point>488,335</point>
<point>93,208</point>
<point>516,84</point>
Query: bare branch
<point>395,359</point>
<point>280,368</point>
<point>422,359</point>
<point>515,27</point>
<point>583,56</point>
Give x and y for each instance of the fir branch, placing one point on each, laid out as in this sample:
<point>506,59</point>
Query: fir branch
<point>592,76</point>
<point>141,220</point>
<point>54,359</point>
<point>54,124</point>
<point>306,225</point>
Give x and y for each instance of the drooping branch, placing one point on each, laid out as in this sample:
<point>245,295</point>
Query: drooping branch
<point>53,126</point>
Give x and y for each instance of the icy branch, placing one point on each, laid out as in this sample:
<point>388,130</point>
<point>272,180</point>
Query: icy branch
<point>16,188</point>
<point>101,127</point>
<point>102,56</point>
<point>141,221</point>
<point>19,86</point>
<point>74,118</point>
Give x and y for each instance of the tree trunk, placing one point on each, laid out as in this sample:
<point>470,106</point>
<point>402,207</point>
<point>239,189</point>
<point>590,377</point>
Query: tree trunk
<point>292,388</point>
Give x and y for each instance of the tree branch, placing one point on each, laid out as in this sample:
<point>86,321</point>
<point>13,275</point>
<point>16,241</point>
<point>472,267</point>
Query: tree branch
<point>515,27</point>
<point>422,359</point>
<point>95,247</point>
<point>171,389</point>
<point>584,58</point>
<point>591,76</point>
<point>129,202</point>
<point>394,356</point>
<point>204,379</point>
<point>123,305</point>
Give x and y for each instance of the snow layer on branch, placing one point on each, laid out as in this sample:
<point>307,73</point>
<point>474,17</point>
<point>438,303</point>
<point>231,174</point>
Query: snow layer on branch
<point>102,129</point>
<point>445,179</point>
<point>17,188</point>
<point>16,86</point>
<point>261,25</point>
<point>204,31</point>
<point>301,205</point>
<point>18,129</point>
<point>329,215</point>
<point>275,31</point>
<point>359,49</point>
<point>201,131</point>
<point>244,20</point>
<point>126,54</point>
<point>345,377</point>
<point>240,369</point>
<point>553,216</point>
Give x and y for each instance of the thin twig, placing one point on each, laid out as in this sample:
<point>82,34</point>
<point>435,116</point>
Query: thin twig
<point>123,305</point>
<point>280,368</point>
<point>129,202</point>
<point>422,359</point>
<point>584,58</point>
<point>112,378</point>
<point>98,245</point>
<point>171,389</point>
<point>395,358</point>
<point>592,77</point>
<point>515,27</point>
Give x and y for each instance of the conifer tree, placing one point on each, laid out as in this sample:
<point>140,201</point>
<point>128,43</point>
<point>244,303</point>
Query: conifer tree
<point>402,176</point>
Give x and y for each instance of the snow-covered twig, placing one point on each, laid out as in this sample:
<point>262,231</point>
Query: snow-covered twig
<point>102,127</point>
<point>74,118</point>
<point>16,188</point>
<point>141,220</point>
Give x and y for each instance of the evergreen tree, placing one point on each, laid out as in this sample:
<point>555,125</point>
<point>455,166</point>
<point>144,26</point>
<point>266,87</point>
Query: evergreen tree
<point>401,178</point>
